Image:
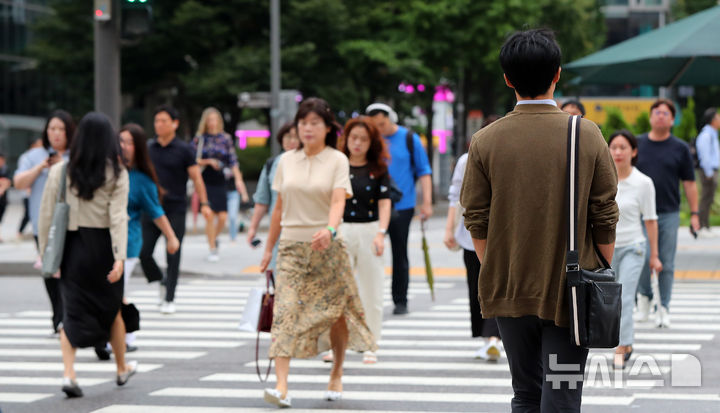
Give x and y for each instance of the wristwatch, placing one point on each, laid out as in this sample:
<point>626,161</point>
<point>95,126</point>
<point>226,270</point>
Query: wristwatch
<point>382,231</point>
<point>332,230</point>
<point>694,213</point>
<point>202,204</point>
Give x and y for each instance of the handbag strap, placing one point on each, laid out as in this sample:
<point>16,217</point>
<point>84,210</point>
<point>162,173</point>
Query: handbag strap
<point>63,176</point>
<point>269,279</point>
<point>573,157</point>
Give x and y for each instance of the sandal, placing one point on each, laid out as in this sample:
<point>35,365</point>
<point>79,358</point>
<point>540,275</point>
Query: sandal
<point>369,357</point>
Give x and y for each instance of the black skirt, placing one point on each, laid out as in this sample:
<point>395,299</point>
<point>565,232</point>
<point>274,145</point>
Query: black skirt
<point>217,197</point>
<point>90,301</point>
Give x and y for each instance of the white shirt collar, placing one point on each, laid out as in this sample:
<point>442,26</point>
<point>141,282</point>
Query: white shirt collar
<point>538,102</point>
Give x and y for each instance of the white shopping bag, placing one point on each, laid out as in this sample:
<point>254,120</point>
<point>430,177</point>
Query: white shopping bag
<point>251,313</point>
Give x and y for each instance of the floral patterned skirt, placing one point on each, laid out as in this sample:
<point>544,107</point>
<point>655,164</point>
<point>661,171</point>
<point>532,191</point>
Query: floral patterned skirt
<point>314,289</point>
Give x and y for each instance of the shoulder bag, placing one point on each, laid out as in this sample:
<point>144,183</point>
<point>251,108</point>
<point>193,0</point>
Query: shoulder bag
<point>595,298</point>
<point>52,256</point>
<point>265,321</point>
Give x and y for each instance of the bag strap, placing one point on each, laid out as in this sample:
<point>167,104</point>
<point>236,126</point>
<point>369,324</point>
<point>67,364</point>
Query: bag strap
<point>268,280</point>
<point>573,157</point>
<point>63,183</point>
<point>410,143</point>
<point>201,144</point>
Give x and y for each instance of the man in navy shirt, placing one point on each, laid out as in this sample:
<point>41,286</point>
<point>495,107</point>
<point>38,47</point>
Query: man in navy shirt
<point>667,160</point>
<point>174,162</point>
<point>404,168</point>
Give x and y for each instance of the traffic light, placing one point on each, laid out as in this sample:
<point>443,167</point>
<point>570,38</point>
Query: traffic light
<point>136,18</point>
<point>103,10</point>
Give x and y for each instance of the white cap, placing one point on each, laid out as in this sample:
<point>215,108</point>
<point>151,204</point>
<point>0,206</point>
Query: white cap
<point>385,108</point>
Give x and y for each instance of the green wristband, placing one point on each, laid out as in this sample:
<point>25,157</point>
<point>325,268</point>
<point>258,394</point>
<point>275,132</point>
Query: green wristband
<point>332,230</point>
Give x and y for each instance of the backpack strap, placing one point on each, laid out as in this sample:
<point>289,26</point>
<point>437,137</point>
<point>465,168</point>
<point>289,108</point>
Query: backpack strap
<point>410,143</point>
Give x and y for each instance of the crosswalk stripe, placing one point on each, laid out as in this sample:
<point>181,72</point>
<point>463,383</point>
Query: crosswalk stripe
<point>375,396</point>
<point>7,397</point>
<point>474,344</point>
<point>47,381</point>
<point>90,353</point>
<point>385,379</point>
<point>140,343</point>
<point>153,315</point>
<point>81,367</point>
<point>126,408</point>
<point>674,337</point>
<point>190,308</point>
<point>678,396</point>
<point>165,323</point>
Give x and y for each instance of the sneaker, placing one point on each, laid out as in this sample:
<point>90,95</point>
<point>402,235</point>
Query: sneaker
<point>71,388</point>
<point>328,357</point>
<point>213,257</point>
<point>102,352</point>
<point>275,398</point>
<point>490,351</point>
<point>706,233</point>
<point>400,309</point>
<point>642,312</point>
<point>662,318</point>
<point>168,307</point>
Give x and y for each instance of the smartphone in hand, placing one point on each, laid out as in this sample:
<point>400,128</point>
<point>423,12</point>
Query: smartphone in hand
<point>256,242</point>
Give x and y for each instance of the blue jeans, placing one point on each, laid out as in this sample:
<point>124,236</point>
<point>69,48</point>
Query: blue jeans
<point>233,206</point>
<point>668,224</point>
<point>628,263</point>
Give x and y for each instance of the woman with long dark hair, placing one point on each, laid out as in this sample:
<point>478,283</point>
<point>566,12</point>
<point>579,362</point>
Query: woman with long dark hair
<point>144,197</point>
<point>366,218</point>
<point>32,173</point>
<point>317,306</point>
<point>95,245</point>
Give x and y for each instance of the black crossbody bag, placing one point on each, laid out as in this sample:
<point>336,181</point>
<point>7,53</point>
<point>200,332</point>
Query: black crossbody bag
<point>595,298</point>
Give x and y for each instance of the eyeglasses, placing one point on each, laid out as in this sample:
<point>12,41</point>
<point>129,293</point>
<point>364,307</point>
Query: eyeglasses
<point>661,113</point>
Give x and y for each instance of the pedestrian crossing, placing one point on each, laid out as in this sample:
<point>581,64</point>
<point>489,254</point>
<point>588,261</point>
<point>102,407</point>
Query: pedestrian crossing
<point>426,359</point>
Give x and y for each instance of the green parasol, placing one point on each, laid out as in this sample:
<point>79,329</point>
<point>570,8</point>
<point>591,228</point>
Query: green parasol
<point>428,264</point>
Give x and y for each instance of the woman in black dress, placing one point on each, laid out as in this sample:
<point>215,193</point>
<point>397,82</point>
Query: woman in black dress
<point>91,271</point>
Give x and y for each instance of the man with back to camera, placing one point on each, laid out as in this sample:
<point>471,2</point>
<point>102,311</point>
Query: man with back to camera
<point>405,167</point>
<point>667,161</point>
<point>514,194</point>
<point>708,151</point>
<point>174,162</point>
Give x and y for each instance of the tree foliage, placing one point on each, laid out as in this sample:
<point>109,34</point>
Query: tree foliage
<point>205,52</point>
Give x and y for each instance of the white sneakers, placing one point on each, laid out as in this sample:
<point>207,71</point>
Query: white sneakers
<point>706,233</point>
<point>643,309</point>
<point>490,351</point>
<point>213,257</point>
<point>662,318</point>
<point>332,396</point>
<point>161,293</point>
<point>167,307</point>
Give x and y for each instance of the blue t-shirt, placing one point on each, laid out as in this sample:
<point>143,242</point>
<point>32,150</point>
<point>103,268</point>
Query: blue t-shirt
<point>27,161</point>
<point>143,197</point>
<point>667,163</point>
<point>400,167</point>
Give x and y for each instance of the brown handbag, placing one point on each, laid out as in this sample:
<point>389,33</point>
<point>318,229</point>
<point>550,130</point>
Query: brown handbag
<point>265,321</point>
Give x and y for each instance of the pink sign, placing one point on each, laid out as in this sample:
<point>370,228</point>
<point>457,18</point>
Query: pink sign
<point>244,134</point>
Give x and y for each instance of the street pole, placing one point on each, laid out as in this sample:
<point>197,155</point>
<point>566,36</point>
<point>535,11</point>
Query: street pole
<point>274,74</point>
<point>107,66</point>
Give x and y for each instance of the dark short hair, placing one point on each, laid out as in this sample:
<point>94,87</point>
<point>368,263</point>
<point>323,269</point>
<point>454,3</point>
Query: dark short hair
<point>662,101</point>
<point>66,119</point>
<point>630,138</point>
<point>321,108</point>
<point>530,60</point>
<point>708,115</point>
<point>378,112</point>
<point>576,103</point>
<point>171,111</point>
<point>284,130</point>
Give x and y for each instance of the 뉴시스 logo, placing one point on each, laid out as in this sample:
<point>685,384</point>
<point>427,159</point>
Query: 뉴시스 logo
<point>644,371</point>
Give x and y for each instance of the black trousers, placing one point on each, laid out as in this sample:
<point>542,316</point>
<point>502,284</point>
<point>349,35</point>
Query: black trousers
<point>398,230</point>
<point>480,327</point>
<point>150,234</point>
<point>26,215</point>
<point>52,286</point>
<point>547,369</point>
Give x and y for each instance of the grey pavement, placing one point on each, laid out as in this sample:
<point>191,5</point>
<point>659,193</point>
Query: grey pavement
<point>197,361</point>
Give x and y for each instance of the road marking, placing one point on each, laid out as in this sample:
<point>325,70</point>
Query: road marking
<point>90,353</point>
<point>82,367</point>
<point>122,408</point>
<point>22,397</point>
<point>678,396</point>
<point>384,379</point>
<point>374,396</point>
<point>47,381</point>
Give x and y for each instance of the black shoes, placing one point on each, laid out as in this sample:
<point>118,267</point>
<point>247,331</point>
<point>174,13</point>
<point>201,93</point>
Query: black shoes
<point>71,388</point>
<point>102,352</point>
<point>400,309</point>
<point>129,348</point>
